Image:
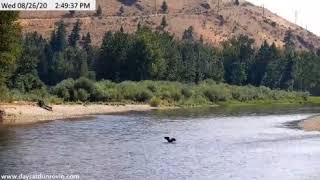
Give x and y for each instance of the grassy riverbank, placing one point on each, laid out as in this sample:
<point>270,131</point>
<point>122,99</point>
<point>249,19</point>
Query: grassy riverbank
<point>160,93</point>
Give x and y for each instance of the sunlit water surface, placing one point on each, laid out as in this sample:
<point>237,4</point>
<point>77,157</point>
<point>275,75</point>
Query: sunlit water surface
<point>214,144</point>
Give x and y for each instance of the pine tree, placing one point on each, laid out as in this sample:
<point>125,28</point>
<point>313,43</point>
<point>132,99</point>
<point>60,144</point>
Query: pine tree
<point>288,40</point>
<point>121,10</point>
<point>99,11</point>
<point>58,38</point>
<point>287,78</point>
<point>87,41</point>
<point>164,23</point>
<point>84,70</point>
<point>9,44</point>
<point>188,34</point>
<point>75,34</point>
<point>236,2</point>
<point>26,78</point>
<point>262,59</point>
<point>89,49</point>
<point>164,7</point>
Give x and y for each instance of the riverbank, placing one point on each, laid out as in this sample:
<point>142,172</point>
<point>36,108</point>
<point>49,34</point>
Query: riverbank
<point>28,113</point>
<point>311,124</point>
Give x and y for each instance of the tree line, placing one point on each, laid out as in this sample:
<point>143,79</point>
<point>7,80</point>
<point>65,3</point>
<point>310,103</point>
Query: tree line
<point>32,62</point>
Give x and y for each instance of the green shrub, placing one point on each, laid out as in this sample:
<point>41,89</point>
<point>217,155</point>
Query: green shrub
<point>88,86</point>
<point>4,93</point>
<point>28,82</point>
<point>143,96</point>
<point>64,89</point>
<point>155,102</point>
<point>83,95</point>
<point>170,93</point>
<point>186,92</point>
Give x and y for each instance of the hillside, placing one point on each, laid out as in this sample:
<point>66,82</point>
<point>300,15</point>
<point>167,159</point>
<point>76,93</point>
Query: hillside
<point>214,21</point>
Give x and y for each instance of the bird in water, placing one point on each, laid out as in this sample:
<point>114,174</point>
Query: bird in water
<point>170,140</point>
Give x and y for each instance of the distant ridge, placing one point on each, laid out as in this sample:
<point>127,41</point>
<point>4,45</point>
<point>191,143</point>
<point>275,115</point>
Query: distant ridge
<point>215,22</point>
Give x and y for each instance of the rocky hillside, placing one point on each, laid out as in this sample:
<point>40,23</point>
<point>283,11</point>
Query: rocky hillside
<point>214,20</point>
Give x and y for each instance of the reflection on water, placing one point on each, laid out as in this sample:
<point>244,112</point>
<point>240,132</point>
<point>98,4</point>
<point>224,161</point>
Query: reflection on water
<point>212,143</point>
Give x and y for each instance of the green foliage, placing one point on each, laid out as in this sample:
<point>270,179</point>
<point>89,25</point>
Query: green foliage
<point>9,44</point>
<point>164,23</point>
<point>26,78</point>
<point>58,40</point>
<point>196,70</point>
<point>188,34</point>
<point>237,58</point>
<point>155,102</point>
<point>4,95</point>
<point>74,37</point>
<point>80,90</point>
<point>170,93</point>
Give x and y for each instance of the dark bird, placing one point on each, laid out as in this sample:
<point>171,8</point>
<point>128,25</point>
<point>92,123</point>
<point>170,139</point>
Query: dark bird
<point>170,140</point>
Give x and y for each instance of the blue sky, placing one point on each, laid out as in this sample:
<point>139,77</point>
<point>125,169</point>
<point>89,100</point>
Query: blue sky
<point>308,11</point>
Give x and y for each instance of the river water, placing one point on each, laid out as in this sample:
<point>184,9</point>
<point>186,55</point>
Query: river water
<point>212,144</point>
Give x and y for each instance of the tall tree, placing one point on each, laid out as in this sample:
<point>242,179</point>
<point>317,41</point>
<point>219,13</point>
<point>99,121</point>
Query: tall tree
<point>58,38</point>
<point>9,43</point>
<point>260,63</point>
<point>164,23</point>
<point>237,58</point>
<point>99,11</point>
<point>289,41</point>
<point>274,69</point>
<point>75,34</point>
<point>121,11</point>
<point>26,77</point>
<point>188,34</point>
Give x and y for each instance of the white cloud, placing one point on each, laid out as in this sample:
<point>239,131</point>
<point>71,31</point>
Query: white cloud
<point>308,11</point>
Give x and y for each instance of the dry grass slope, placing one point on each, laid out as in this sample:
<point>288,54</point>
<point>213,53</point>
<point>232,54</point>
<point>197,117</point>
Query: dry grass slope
<point>215,22</point>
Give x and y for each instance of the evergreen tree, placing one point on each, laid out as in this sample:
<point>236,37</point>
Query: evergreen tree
<point>26,77</point>
<point>260,64</point>
<point>188,34</point>
<point>9,44</point>
<point>164,23</point>
<point>84,69</point>
<point>288,40</point>
<point>164,7</point>
<point>58,38</point>
<point>99,11</point>
<point>237,58</point>
<point>121,10</point>
<point>87,46</point>
<point>87,42</point>
<point>274,69</point>
<point>236,2</point>
<point>75,34</point>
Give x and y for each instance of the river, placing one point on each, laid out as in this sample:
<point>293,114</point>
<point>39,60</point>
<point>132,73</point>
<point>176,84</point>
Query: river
<point>212,144</point>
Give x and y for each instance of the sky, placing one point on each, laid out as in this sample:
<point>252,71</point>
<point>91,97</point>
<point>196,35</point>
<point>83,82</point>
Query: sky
<point>308,11</point>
